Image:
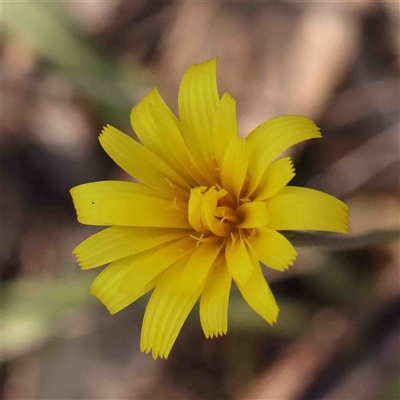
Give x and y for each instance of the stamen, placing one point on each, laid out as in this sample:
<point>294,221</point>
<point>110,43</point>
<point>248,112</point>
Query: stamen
<point>174,205</point>
<point>223,217</point>
<point>252,233</point>
<point>233,240</point>
<point>199,240</point>
<point>220,192</point>
<point>245,200</point>
<point>170,183</point>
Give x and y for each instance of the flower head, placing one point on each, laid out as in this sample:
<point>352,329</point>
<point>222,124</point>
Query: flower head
<point>209,208</point>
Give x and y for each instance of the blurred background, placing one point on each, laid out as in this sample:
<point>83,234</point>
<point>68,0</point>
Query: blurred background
<point>68,68</point>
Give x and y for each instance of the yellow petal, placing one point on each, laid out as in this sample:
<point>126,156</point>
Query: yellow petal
<point>203,211</point>
<point>128,298</point>
<point>225,127</point>
<point>119,241</point>
<point>214,302</point>
<point>252,215</point>
<point>272,138</point>
<point>296,208</point>
<point>143,123</point>
<point>275,178</point>
<point>195,207</point>
<point>197,101</point>
<point>237,259</point>
<point>175,150</point>
<point>155,136</point>
<point>197,268</point>
<point>87,197</point>
<point>234,166</point>
<point>159,131</point>
<point>272,249</point>
<point>141,163</point>
<point>118,285</point>
<point>166,312</point>
<point>124,299</point>
<point>208,213</point>
<point>258,295</point>
<point>144,211</point>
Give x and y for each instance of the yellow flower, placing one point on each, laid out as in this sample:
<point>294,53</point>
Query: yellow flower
<point>209,208</point>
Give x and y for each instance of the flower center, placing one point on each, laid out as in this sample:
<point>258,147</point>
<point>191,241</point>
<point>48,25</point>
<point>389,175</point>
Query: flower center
<point>214,211</point>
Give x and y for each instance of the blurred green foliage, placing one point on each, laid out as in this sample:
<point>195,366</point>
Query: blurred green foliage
<point>392,390</point>
<point>32,307</point>
<point>48,29</point>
